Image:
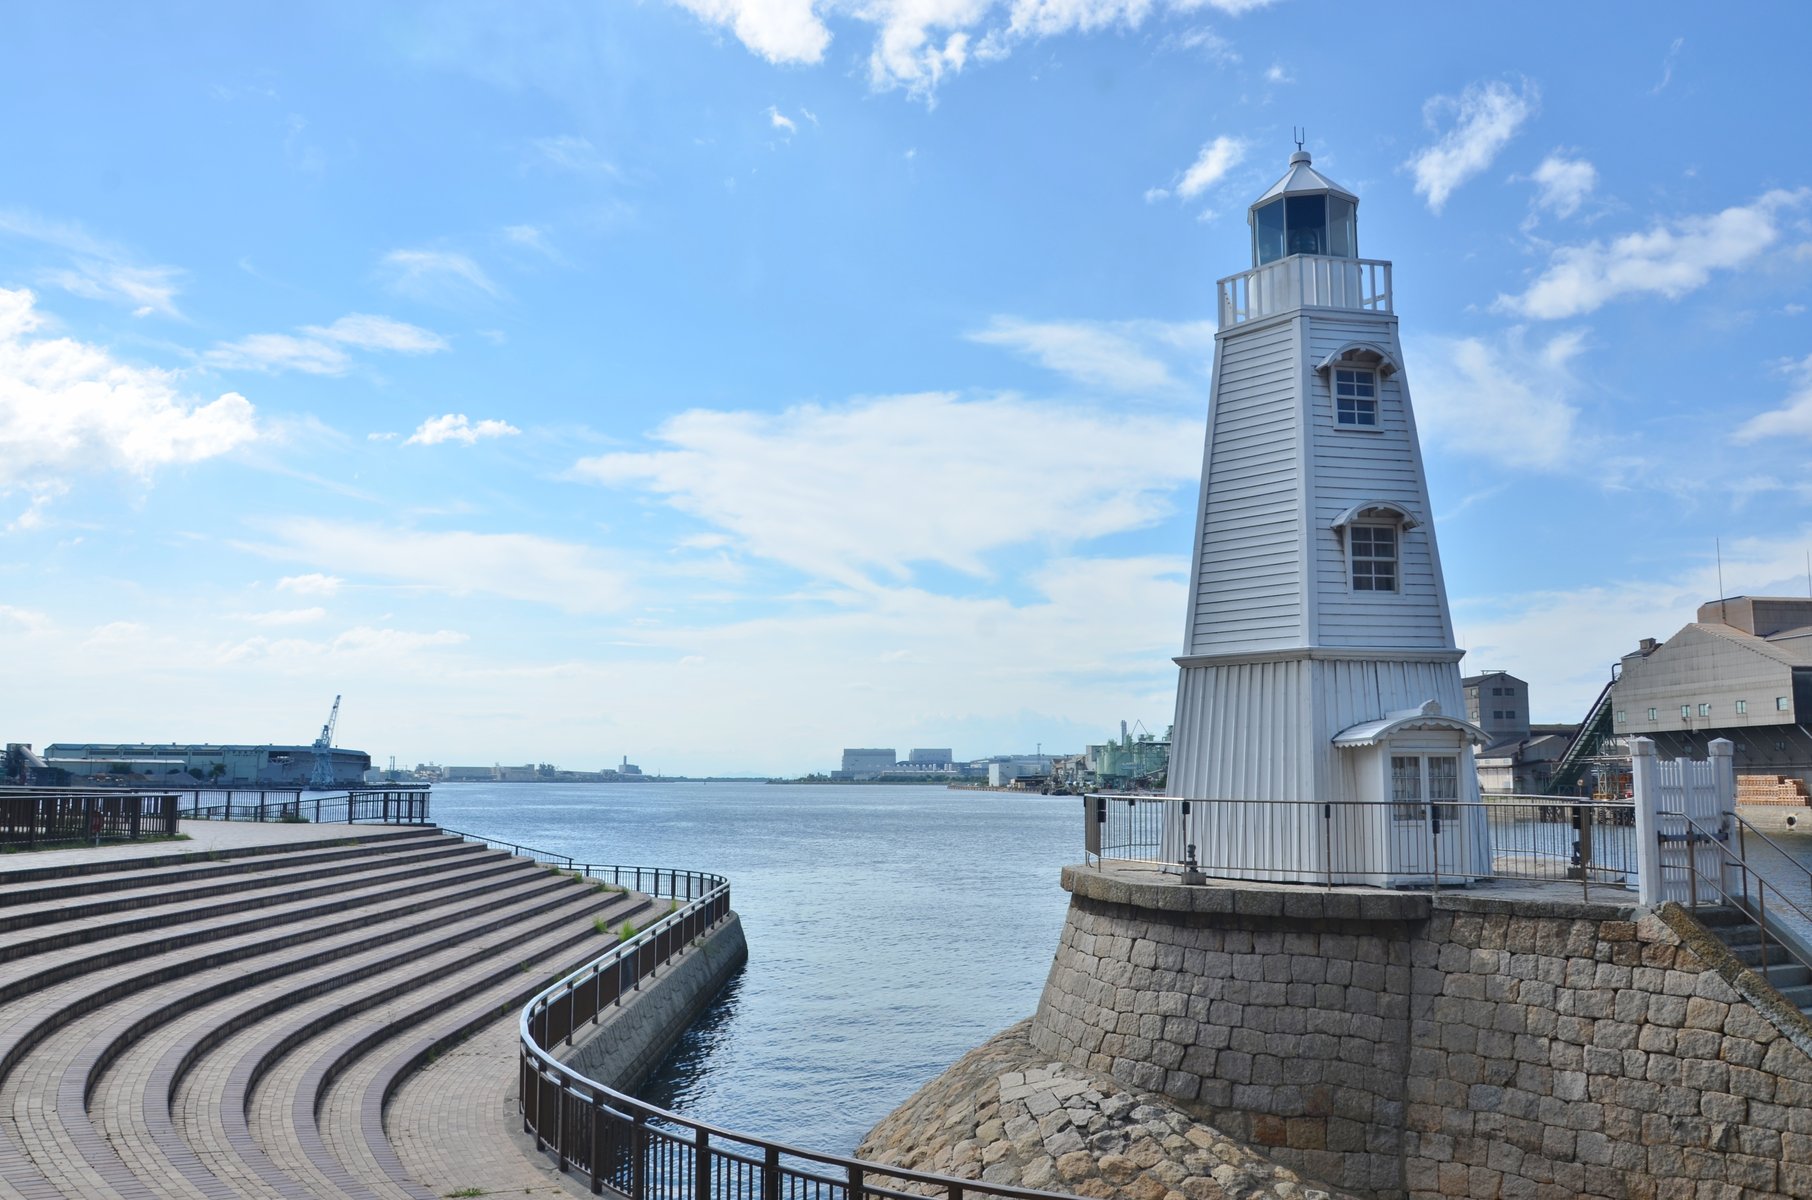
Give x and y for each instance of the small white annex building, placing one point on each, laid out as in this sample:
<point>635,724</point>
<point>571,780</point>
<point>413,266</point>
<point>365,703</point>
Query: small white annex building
<point>1319,665</point>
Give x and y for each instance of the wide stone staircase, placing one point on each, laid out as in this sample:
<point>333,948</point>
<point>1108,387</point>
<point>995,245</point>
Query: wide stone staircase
<point>227,1023</point>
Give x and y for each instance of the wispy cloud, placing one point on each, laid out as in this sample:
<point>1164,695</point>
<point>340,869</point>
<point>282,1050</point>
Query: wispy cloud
<point>314,584</point>
<point>917,44</point>
<point>515,566</point>
<point>1792,419</point>
<point>1671,259</point>
<point>1484,118</point>
<point>438,276</point>
<point>806,486</point>
<point>321,349</point>
<point>781,121</point>
<point>67,406</point>
<point>1124,356</point>
<point>98,269</point>
<point>454,427</point>
<point>1508,400</point>
<point>570,152</point>
<point>1667,66</point>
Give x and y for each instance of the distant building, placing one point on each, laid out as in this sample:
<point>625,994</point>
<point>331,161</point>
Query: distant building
<point>184,765</point>
<point>1498,703</point>
<point>1005,769</point>
<point>866,763</point>
<point>628,768</point>
<point>1742,671</point>
<point>940,758</point>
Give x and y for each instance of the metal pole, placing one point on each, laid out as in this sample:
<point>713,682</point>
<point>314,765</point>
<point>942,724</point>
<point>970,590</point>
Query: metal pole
<point>701,1167</point>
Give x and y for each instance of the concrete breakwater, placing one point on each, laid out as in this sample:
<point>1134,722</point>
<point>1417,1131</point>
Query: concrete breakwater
<point>1483,1045</point>
<point>630,1040</point>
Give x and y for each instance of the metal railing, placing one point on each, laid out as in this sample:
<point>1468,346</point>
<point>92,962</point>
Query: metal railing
<point>1738,886</point>
<point>648,1153</point>
<point>1379,844</point>
<point>385,806</point>
<point>1305,281</point>
<point>32,817</point>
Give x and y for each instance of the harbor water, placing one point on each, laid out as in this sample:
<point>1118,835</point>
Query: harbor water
<point>890,928</point>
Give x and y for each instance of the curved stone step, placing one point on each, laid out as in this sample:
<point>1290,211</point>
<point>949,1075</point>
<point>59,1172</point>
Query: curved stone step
<point>150,908</point>
<point>186,1032</point>
<point>27,1020</point>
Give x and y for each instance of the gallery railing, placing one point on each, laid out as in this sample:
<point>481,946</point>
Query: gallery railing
<point>1717,873</point>
<point>386,806</point>
<point>32,817</point>
<point>647,1153</point>
<point>1305,281</point>
<point>1535,838</point>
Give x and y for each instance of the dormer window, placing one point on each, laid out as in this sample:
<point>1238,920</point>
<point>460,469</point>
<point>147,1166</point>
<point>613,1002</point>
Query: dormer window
<point>1356,397</point>
<point>1373,536</point>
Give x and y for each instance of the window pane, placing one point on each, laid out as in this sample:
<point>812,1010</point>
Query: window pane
<point>1444,786</point>
<point>1307,224</point>
<point>1343,237</point>
<point>1267,233</point>
<point>1406,786</point>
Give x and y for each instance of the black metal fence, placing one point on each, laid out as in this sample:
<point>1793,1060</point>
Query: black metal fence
<point>647,1153</point>
<point>34,817</point>
<point>385,805</point>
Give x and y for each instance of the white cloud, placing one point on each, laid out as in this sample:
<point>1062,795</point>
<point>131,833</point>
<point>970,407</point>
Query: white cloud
<point>517,566</point>
<point>1211,166</point>
<point>886,482</point>
<point>1564,183</point>
<point>918,43</point>
<point>285,616</point>
<point>66,406</point>
<point>1120,355</point>
<point>781,31</point>
<point>1485,117</point>
<point>781,122</point>
<point>438,276</point>
<point>1507,400</point>
<point>454,427</point>
<point>1792,419</point>
<point>24,620</point>
<point>379,333</point>
<point>311,585</point>
<point>361,643</point>
<point>278,352</point>
<point>98,270</point>
<point>1670,260</point>
<point>1667,67</point>
<point>320,352</point>
<point>569,152</point>
<point>1275,73</point>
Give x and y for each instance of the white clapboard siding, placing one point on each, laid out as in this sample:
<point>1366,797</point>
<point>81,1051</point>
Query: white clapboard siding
<point>1248,585</point>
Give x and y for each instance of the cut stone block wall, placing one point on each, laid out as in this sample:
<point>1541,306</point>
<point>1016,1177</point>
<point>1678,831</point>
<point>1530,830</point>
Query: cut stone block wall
<point>1458,1045</point>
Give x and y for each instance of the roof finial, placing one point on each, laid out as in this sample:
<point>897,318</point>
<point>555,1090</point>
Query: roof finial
<point>1301,136</point>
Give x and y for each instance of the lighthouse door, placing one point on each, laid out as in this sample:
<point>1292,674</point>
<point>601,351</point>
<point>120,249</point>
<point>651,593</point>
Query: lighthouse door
<point>1425,813</point>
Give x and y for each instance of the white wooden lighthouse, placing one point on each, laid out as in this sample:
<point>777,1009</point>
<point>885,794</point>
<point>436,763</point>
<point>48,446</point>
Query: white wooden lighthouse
<point>1318,661</point>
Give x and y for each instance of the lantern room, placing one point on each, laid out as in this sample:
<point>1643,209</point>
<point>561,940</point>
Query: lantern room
<point>1305,212</point>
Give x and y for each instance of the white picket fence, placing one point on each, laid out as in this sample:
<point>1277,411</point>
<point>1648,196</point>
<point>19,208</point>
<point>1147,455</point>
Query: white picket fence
<point>1684,814</point>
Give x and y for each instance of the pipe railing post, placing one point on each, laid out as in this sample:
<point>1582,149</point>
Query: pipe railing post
<point>701,1166</point>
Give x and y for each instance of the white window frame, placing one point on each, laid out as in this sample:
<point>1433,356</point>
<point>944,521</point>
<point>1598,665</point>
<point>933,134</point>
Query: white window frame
<point>1704,709</point>
<point>1781,704</point>
<point>1742,707</point>
<point>1370,531</point>
<point>1362,385</point>
<point>1405,806</point>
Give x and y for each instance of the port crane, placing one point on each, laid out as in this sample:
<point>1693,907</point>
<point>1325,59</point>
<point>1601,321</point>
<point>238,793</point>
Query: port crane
<point>322,775</point>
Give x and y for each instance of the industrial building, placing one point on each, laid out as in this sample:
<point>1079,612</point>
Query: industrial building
<point>1742,671</point>
<point>1519,759</point>
<point>215,765</point>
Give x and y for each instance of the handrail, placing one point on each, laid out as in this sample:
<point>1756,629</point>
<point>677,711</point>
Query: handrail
<point>1742,824</point>
<point>621,1141</point>
<point>1697,835</point>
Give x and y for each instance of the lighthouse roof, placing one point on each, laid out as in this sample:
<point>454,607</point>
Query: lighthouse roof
<point>1303,179</point>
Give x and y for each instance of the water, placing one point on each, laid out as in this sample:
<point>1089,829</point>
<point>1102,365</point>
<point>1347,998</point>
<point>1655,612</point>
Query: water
<point>891,929</point>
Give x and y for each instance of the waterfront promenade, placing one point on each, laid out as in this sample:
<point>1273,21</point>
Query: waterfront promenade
<point>233,1014</point>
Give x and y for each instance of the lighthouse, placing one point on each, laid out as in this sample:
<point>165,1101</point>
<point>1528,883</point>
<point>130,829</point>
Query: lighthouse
<point>1319,712</point>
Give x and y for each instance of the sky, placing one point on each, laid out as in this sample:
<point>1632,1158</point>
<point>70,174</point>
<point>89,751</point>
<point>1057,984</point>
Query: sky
<point>721,383</point>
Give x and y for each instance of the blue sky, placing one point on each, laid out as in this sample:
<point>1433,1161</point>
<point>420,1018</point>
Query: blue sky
<point>724,382</point>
